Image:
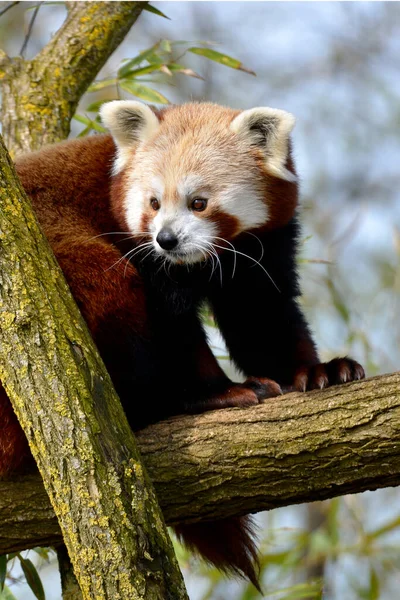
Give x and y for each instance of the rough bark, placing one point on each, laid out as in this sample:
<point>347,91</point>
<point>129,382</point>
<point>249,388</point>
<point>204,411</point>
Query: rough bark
<point>86,453</point>
<point>296,448</point>
<point>112,523</point>
<point>39,97</point>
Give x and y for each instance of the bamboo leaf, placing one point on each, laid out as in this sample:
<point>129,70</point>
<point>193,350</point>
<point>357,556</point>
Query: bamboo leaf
<point>166,46</point>
<point>32,577</point>
<point>142,91</point>
<point>176,68</point>
<point>155,11</point>
<point>223,59</point>
<point>90,123</point>
<point>3,571</point>
<point>166,70</point>
<point>99,85</point>
<point>143,71</point>
<point>95,106</point>
<point>148,54</point>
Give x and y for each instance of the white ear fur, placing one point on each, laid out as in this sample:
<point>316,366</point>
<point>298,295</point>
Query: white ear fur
<point>268,129</point>
<point>130,123</point>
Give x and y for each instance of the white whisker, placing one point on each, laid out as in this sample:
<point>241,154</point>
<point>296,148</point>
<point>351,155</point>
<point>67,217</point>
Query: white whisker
<point>117,233</point>
<point>234,256</point>
<point>129,254</point>
<point>207,254</point>
<point>246,256</point>
<point>259,241</point>
<point>215,253</point>
<point>254,260</point>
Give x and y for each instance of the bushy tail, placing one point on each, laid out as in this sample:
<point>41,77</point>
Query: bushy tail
<point>14,450</point>
<point>229,544</point>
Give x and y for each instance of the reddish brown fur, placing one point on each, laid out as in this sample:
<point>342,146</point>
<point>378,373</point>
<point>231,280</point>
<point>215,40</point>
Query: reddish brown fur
<point>14,450</point>
<point>228,225</point>
<point>227,537</point>
<point>74,208</point>
<point>281,196</point>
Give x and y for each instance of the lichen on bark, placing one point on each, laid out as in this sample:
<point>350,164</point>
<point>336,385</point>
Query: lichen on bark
<point>292,449</point>
<point>73,420</point>
<point>40,96</point>
<point>60,390</point>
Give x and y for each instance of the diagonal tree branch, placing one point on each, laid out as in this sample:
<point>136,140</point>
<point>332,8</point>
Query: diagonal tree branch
<point>39,97</point>
<point>296,448</point>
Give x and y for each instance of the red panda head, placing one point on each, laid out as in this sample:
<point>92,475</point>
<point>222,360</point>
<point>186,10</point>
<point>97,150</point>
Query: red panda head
<point>199,175</point>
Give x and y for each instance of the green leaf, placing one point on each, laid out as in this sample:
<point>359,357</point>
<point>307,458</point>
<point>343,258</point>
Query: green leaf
<point>175,68</point>
<point>84,132</point>
<point>3,571</point>
<point>142,91</point>
<point>223,59</point>
<point>6,594</point>
<point>148,55</point>
<point>32,577</point>
<point>142,71</point>
<point>99,85</point>
<point>90,123</point>
<point>166,46</point>
<point>95,106</point>
<point>154,10</point>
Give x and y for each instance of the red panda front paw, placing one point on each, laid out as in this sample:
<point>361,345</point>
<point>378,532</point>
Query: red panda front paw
<point>322,375</point>
<point>236,395</point>
<point>263,387</point>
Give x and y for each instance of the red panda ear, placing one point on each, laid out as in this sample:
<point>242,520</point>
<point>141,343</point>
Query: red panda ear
<point>268,129</point>
<point>130,123</point>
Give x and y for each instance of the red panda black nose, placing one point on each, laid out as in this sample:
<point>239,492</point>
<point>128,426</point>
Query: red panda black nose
<point>167,239</point>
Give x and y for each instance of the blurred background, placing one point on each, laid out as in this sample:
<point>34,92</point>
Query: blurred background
<point>335,66</point>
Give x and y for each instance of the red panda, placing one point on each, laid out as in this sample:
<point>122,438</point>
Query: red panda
<point>188,205</point>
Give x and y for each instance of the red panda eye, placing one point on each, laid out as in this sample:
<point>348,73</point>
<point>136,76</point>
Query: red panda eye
<point>199,204</point>
<point>155,205</point>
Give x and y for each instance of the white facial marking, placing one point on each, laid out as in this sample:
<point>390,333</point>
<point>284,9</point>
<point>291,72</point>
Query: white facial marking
<point>245,203</point>
<point>190,186</point>
<point>135,207</point>
<point>121,159</point>
<point>157,187</point>
<point>194,233</point>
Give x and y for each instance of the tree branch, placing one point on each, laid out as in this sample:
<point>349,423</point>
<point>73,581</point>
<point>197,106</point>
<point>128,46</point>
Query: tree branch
<point>39,97</point>
<point>296,448</point>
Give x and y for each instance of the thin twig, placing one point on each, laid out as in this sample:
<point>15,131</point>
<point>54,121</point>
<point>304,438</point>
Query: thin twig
<point>28,35</point>
<point>4,10</point>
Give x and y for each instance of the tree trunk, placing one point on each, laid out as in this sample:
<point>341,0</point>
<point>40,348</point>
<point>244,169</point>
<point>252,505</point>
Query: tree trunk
<point>295,448</point>
<point>84,448</point>
<point>74,422</point>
